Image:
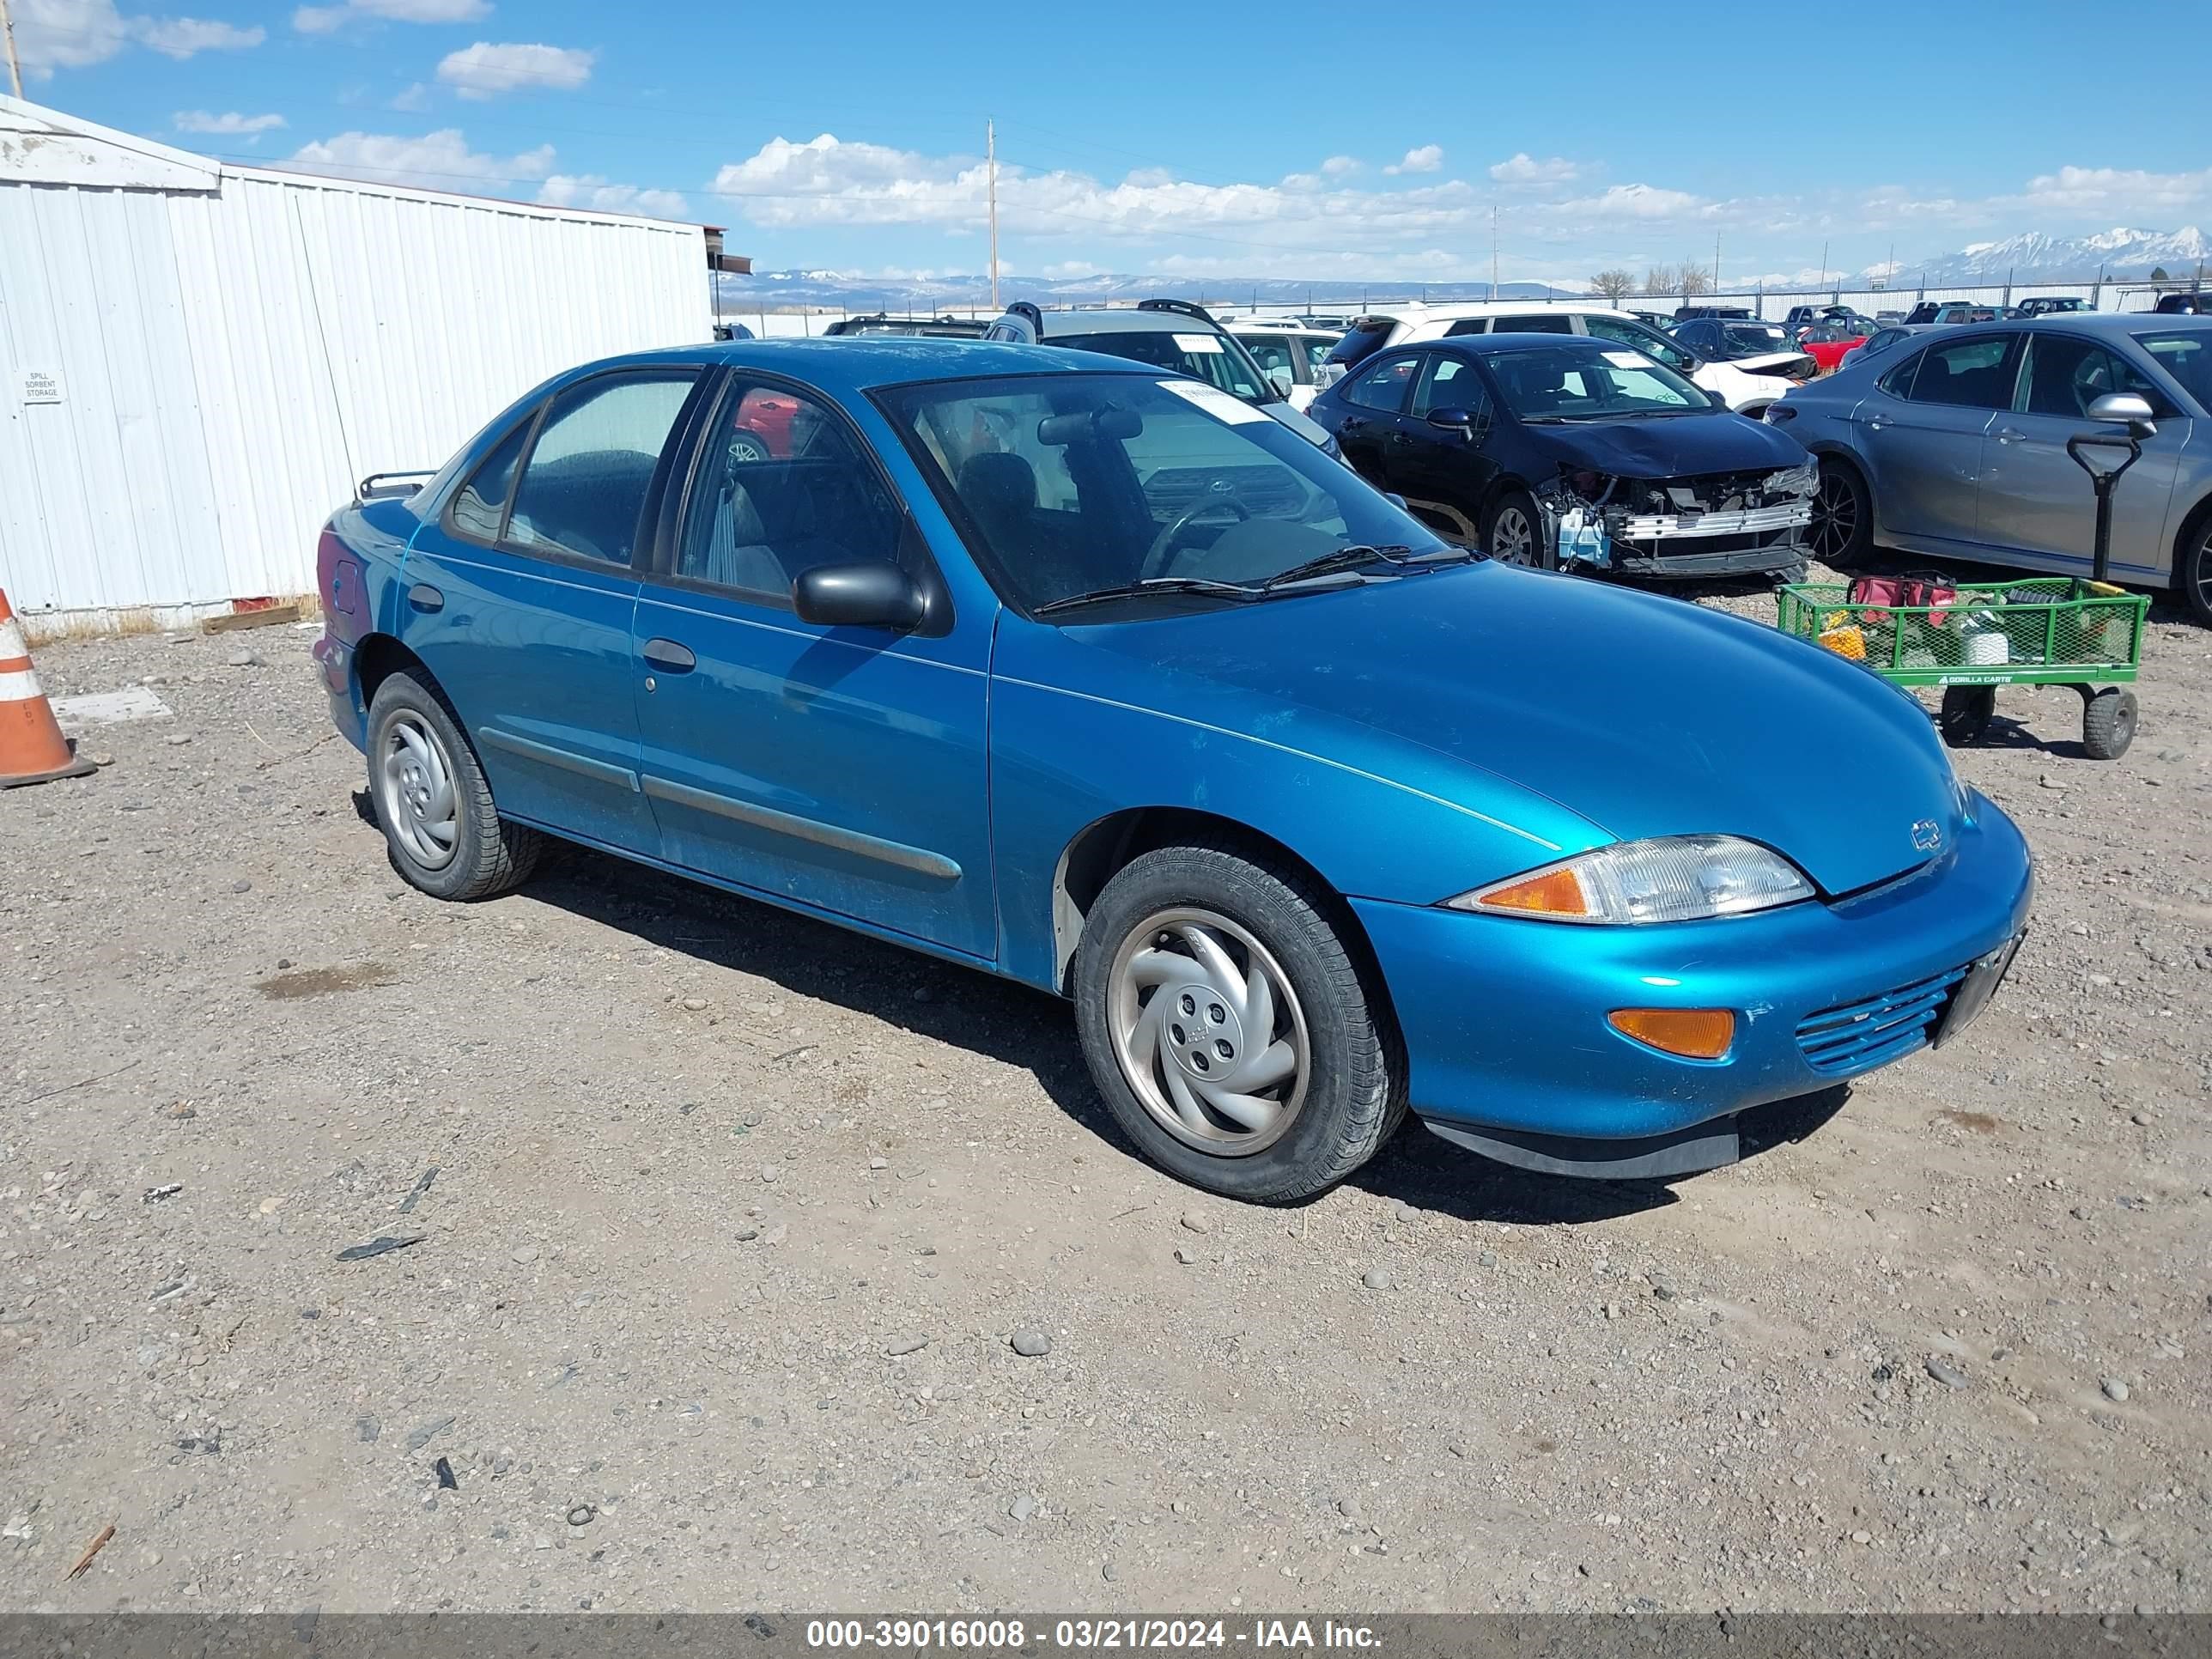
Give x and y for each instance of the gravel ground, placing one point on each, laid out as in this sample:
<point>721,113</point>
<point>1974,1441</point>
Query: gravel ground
<point>762,1266</point>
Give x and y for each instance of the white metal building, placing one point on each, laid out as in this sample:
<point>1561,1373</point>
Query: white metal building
<point>198,361</point>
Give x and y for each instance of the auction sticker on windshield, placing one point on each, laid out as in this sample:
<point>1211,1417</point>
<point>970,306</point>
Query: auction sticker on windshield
<point>1204,344</point>
<point>1215,401</point>
<point>1628,360</point>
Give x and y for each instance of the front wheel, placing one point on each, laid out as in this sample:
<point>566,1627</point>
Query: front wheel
<point>1513,530</point>
<point>432,802</point>
<point>1233,1036</point>
<point>1842,529</point>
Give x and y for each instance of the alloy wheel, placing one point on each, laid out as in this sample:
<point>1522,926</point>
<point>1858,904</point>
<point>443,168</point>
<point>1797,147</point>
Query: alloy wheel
<point>1835,518</point>
<point>1512,538</point>
<point>417,799</point>
<point>1208,1032</point>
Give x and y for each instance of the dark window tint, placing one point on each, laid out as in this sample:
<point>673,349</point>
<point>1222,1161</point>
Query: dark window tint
<point>2186,357</point>
<point>1468,325</point>
<point>1540,323</point>
<point>593,461</point>
<point>782,487</point>
<point>1383,386</point>
<point>1448,382</point>
<point>1898,382</point>
<point>2066,374</point>
<point>1649,341</point>
<point>1974,374</point>
<point>482,503</point>
<point>1362,338</point>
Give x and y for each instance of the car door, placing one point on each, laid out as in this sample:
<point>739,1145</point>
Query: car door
<point>1922,430</point>
<point>1375,402</point>
<point>1273,354</point>
<point>2037,504</point>
<point>841,769</point>
<point>1444,471</point>
<point>520,597</point>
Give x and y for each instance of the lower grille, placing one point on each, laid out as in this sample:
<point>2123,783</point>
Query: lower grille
<point>1861,1035</point>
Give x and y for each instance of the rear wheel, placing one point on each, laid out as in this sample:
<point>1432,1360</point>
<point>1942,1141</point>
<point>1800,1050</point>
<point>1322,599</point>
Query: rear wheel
<point>1842,529</point>
<point>2193,571</point>
<point>2108,723</point>
<point>445,834</point>
<point>1233,1036</point>
<point>1512,531</point>
<point>1966,712</point>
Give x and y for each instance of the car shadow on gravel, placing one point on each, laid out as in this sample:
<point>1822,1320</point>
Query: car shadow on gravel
<point>1019,1026</point>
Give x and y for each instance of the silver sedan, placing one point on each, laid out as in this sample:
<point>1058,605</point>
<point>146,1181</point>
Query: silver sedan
<point>1953,447</point>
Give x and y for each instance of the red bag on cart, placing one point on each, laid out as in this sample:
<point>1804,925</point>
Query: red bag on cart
<point>1930,589</point>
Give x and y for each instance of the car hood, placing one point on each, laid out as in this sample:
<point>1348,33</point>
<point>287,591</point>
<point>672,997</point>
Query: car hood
<point>1768,362</point>
<point>1668,446</point>
<point>1642,715</point>
<point>1304,425</point>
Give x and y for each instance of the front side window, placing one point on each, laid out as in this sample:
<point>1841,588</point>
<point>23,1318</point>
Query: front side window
<point>1564,383</point>
<point>1202,355</point>
<point>1974,374</point>
<point>781,487</point>
<point>1383,386</point>
<point>586,481</point>
<point>2185,355</point>
<point>1317,348</point>
<point>1074,483</point>
<point>1270,351</point>
<point>1753,339</point>
<point>2064,374</point>
<point>1649,341</point>
<point>1449,382</point>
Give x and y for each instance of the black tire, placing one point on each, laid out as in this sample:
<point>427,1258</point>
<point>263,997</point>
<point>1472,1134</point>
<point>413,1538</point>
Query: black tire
<point>490,854</point>
<point>1841,531</point>
<point>1355,1088</point>
<point>1966,712</point>
<point>1501,511</point>
<point>2108,723</point>
<point>2192,570</point>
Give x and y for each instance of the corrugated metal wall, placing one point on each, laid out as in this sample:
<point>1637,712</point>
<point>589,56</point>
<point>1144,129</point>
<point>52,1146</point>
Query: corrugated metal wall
<point>233,360</point>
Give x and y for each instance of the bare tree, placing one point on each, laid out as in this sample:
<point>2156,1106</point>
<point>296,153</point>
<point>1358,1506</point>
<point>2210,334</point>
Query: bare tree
<point>1615,285</point>
<point>1659,279</point>
<point>1691,281</point>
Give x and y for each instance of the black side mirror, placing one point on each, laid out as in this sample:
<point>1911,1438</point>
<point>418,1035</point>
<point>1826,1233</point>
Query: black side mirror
<point>860,596</point>
<point>1719,399</point>
<point>1462,420</point>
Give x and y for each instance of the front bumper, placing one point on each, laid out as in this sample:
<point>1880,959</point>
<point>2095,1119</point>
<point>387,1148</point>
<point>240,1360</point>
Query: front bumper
<point>1505,1019</point>
<point>1683,544</point>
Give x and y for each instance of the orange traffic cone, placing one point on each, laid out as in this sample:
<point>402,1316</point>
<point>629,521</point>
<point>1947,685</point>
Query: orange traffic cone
<point>32,747</point>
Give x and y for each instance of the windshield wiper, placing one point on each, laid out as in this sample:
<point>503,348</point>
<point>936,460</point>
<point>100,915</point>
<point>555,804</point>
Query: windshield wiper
<point>1339,558</point>
<point>1148,585</point>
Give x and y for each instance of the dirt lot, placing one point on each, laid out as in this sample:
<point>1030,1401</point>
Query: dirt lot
<point>733,1217</point>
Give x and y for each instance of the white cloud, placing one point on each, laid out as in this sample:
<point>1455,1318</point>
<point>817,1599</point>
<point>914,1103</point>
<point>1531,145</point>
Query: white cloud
<point>1522,168</point>
<point>1636,202</point>
<point>322,20</point>
<point>1338,166</point>
<point>486,69</point>
<point>230,125</point>
<point>589,189</point>
<point>829,181</point>
<point>416,97</point>
<point>2119,189</point>
<point>1427,159</point>
<point>182,36</point>
<point>436,160</point>
<point>51,35</point>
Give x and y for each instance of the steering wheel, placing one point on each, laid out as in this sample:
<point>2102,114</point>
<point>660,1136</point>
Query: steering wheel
<point>1157,556</point>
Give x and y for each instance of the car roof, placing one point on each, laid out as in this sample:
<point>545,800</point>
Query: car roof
<point>860,362</point>
<point>1123,319</point>
<point>1450,310</point>
<point>1243,324</point>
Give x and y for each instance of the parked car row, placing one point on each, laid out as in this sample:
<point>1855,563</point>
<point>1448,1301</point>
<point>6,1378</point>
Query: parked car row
<point>1088,669</point>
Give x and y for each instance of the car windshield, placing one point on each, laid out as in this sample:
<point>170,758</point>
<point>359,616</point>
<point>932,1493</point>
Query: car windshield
<point>1746,339</point>
<point>1580,382</point>
<point>1077,484</point>
<point>1198,352</point>
<point>2186,355</point>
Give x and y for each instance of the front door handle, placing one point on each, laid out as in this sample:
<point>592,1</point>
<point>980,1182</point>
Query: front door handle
<point>2009,434</point>
<point>1402,438</point>
<point>1875,423</point>
<point>669,657</point>
<point>425,597</point>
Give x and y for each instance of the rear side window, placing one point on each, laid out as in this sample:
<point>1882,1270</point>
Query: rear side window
<point>1362,340</point>
<point>1383,386</point>
<point>1541,323</point>
<point>585,483</point>
<point>482,503</point>
<point>1468,325</point>
<point>1974,374</point>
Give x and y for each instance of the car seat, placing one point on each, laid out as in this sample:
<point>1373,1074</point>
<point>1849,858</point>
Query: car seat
<point>1000,489</point>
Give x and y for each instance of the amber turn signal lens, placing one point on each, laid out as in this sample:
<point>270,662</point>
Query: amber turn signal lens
<point>1557,892</point>
<point>1693,1033</point>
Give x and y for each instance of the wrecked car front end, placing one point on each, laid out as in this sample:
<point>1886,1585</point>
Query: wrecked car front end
<point>1710,524</point>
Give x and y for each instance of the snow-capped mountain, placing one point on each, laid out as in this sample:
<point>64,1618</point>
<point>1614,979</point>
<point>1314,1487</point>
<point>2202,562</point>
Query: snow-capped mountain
<point>2122,253</point>
<point>837,290</point>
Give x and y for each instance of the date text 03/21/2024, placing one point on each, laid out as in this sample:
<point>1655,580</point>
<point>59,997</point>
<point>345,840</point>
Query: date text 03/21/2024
<point>987,1635</point>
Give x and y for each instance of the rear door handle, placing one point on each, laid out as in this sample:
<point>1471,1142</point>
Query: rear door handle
<point>425,597</point>
<point>1401,437</point>
<point>1875,423</point>
<point>669,657</point>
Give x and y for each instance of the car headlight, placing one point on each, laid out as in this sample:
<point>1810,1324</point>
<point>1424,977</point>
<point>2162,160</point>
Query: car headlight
<point>1668,878</point>
<point>1801,480</point>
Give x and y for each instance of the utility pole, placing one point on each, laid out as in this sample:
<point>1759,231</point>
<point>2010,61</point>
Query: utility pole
<point>8,28</point>
<point>1717,262</point>
<point>991,150</point>
<point>1493,250</point>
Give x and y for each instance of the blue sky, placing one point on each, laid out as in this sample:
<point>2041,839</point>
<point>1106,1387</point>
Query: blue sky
<point>1160,140</point>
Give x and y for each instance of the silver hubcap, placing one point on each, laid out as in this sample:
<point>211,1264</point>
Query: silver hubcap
<point>1208,1032</point>
<point>416,779</point>
<point>1511,539</point>
<point>1835,519</point>
<point>2204,574</point>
